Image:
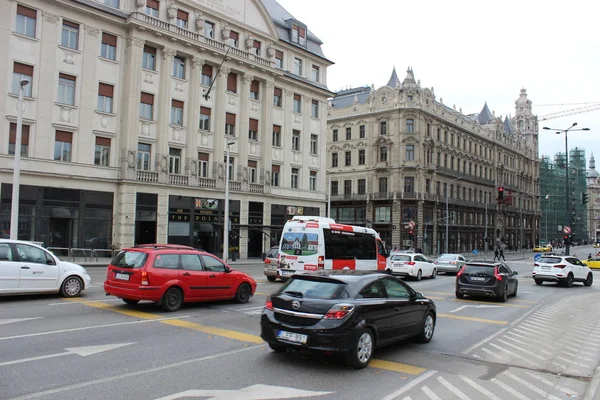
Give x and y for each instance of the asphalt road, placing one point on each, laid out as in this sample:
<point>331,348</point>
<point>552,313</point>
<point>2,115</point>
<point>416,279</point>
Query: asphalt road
<point>543,344</point>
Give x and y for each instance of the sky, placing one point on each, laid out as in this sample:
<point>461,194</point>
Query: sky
<point>472,52</point>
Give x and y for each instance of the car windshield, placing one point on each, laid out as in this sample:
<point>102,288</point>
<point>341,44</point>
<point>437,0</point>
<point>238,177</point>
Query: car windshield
<point>549,260</point>
<point>478,269</point>
<point>316,289</point>
<point>447,257</point>
<point>273,252</point>
<point>130,259</point>
<point>399,257</point>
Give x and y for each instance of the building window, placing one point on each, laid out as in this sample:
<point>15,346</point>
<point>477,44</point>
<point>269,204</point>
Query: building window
<point>315,73</point>
<point>275,171</point>
<point>348,159</point>
<point>295,175</point>
<point>62,146</point>
<point>427,185</point>
<point>335,135</point>
<point>297,66</point>
<point>112,3</point>
<point>410,152</point>
<point>334,188</point>
<point>175,161</point>
<point>383,214</point>
<point>361,132</point>
<point>147,106</point>
<point>26,21</point>
<point>277,95</point>
<point>230,166</point>
<point>347,187</point>
<point>105,98</point>
<point>232,82</point>
<point>383,186</point>
<point>143,156</point>
<point>176,112</point>
<point>66,89</point>
<point>297,103</point>
<point>12,139</point>
<point>255,90</point>
<point>182,19</point>
<point>152,8</point>
<point>102,151</point>
<point>203,165</point>
<point>314,144</point>
<point>22,72</point>
<point>256,47</point>
<point>234,38</point>
<point>207,72</point>
<point>276,136</point>
<point>296,140</point>
<point>299,35</point>
<point>279,59</point>
<point>409,184</point>
<point>252,171</point>
<point>362,186</point>
<point>70,35</point>
<point>410,126</point>
<point>179,67</point>
<point>253,129</point>
<point>314,109</point>
<point>204,119</point>
<point>312,181</point>
<point>209,29</point>
<point>149,58</point>
<point>334,159</point>
<point>349,133</point>
<point>428,130</point>
<point>383,127</point>
<point>108,48</point>
<point>439,134</point>
<point>383,153</point>
<point>230,124</point>
<point>361,157</point>
<point>410,97</point>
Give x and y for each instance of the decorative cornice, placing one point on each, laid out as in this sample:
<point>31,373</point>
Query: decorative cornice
<point>135,41</point>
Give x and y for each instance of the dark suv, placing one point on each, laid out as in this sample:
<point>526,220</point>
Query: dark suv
<point>491,279</point>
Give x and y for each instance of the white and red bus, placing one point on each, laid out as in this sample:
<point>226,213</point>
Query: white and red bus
<point>317,243</point>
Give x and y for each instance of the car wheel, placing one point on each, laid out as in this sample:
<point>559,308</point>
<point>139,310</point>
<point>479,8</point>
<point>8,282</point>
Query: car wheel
<point>516,289</point>
<point>71,287</point>
<point>428,328</point>
<point>569,281</point>
<point>271,278</point>
<point>172,300</point>
<point>388,271</point>
<point>243,293</point>
<point>434,274</point>
<point>504,295</point>
<point>419,275</point>
<point>589,280</point>
<point>362,350</point>
<point>459,295</point>
<point>131,302</point>
<point>538,282</point>
<point>278,348</point>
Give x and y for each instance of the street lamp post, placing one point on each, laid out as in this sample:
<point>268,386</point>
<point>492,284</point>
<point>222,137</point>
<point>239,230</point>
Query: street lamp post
<point>227,221</point>
<point>447,214</point>
<point>14,206</point>
<point>567,197</point>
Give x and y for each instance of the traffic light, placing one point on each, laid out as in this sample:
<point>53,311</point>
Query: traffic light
<point>566,240</point>
<point>501,193</point>
<point>585,198</point>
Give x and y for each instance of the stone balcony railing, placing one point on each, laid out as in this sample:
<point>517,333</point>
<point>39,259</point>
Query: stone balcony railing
<point>147,176</point>
<point>180,180</point>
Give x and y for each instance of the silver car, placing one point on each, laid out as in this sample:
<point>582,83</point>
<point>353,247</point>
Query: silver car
<point>272,264</point>
<point>450,263</point>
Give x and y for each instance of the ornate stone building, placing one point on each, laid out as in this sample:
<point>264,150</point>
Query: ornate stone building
<point>130,108</point>
<point>398,155</point>
<point>593,204</point>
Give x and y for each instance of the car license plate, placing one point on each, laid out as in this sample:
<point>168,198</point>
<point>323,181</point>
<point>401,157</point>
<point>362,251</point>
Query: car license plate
<point>285,273</point>
<point>123,277</point>
<point>545,267</point>
<point>477,278</point>
<point>292,337</point>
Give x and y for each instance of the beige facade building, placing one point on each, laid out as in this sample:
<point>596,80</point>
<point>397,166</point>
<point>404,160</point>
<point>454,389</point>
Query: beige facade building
<point>398,155</point>
<point>593,204</point>
<point>130,109</point>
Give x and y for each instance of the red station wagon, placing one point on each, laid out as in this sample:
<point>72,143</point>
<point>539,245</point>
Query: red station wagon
<point>171,275</point>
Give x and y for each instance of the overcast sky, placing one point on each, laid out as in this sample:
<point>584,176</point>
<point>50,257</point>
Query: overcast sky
<point>471,52</point>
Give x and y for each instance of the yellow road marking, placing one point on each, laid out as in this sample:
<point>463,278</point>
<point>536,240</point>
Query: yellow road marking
<point>261,294</point>
<point>211,330</point>
<point>436,298</point>
<point>525,301</point>
<point>491,302</point>
<point>396,367</point>
<point>121,310</point>
<point>446,293</point>
<point>460,317</point>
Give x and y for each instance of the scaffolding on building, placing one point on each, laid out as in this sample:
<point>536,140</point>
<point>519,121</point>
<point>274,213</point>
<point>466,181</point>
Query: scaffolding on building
<point>553,197</point>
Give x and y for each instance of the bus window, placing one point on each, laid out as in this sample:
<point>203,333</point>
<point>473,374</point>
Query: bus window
<point>341,245</point>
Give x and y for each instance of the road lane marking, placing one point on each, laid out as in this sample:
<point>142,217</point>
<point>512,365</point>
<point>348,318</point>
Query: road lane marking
<point>509,389</point>
<point>410,385</point>
<point>480,388</point>
<point>121,310</point>
<point>491,302</point>
<point>62,303</point>
<point>473,319</point>
<point>453,389</point>
<point>430,393</point>
<point>568,392</point>
<point>396,367</point>
<point>531,387</point>
<point>80,351</point>
<point>211,330</point>
<point>14,320</point>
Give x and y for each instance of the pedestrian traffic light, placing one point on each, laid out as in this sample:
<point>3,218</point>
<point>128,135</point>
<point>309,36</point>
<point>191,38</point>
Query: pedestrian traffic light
<point>585,198</point>
<point>501,193</point>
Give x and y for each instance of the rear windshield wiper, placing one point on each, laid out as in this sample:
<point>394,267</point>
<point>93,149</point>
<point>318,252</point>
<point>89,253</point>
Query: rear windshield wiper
<point>126,265</point>
<point>295,294</point>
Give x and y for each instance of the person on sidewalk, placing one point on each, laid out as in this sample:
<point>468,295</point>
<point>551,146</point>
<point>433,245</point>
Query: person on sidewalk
<point>496,254</point>
<point>501,253</point>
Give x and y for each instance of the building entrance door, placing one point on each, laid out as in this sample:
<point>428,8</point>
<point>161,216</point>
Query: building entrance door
<point>60,232</point>
<point>145,232</point>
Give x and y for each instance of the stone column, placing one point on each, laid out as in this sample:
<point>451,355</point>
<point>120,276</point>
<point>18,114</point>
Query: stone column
<point>129,128</point>
<point>286,137</point>
<point>242,141</point>
<point>163,131</point>
<point>193,115</point>
<point>219,128</point>
<point>266,150</point>
<point>84,138</point>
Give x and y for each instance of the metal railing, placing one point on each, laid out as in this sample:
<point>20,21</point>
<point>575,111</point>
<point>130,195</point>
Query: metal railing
<point>86,254</point>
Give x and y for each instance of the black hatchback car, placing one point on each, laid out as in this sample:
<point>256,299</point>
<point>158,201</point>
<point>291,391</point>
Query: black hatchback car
<point>490,279</point>
<point>345,312</point>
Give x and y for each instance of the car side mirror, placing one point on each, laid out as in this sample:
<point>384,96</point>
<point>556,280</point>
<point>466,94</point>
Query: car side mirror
<point>515,273</point>
<point>228,269</point>
<point>50,261</point>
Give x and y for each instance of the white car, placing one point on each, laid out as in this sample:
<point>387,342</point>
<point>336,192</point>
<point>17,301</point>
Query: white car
<point>27,268</point>
<point>414,265</point>
<point>562,269</point>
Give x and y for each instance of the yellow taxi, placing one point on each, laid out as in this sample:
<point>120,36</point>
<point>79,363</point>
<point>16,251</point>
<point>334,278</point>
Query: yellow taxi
<point>593,263</point>
<point>542,248</point>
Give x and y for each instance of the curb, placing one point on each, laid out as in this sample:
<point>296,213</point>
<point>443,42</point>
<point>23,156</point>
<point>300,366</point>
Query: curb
<point>591,392</point>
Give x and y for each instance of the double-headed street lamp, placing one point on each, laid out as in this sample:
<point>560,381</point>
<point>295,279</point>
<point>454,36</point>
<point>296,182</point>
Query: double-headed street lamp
<point>567,196</point>
<point>14,206</point>
<point>447,214</point>
<point>227,222</point>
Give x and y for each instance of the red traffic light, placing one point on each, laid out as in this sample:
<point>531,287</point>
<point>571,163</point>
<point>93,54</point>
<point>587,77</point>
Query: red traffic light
<point>410,232</point>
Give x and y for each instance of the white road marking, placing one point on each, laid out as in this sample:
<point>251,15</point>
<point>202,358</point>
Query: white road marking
<point>511,353</point>
<point>575,363</point>
<point>509,389</point>
<point>521,349</point>
<point>531,387</point>
<point>430,393</point>
<point>254,392</point>
<point>568,392</point>
<point>80,351</point>
<point>410,385</point>
<point>521,342</point>
<point>593,386</point>
<point>480,388</point>
<point>453,389</point>
<point>14,320</point>
<point>479,306</point>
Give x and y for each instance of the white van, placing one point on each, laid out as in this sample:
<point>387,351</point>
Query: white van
<point>317,243</point>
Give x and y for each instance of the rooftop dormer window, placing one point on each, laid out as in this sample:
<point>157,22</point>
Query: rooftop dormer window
<point>298,35</point>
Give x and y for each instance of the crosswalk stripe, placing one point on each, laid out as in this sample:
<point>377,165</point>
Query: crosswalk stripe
<point>509,352</point>
<point>480,388</point>
<point>531,387</point>
<point>574,362</point>
<point>453,389</point>
<point>521,341</point>
<point>568,392</point>
<point>509,389</point>
<point>410,385</point>
<point>430,393</point>
<point>521,349</point>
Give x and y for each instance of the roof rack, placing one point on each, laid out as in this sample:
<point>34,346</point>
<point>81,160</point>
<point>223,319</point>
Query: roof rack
<point>164,246</point>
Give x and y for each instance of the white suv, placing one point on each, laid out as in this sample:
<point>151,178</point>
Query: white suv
<point>411,264</point>
<point>562,269</point>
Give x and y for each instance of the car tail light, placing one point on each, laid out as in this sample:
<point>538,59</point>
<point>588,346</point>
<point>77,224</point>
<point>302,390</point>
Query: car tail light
<point>410,263</point>
<point>144,278</point>
<point>339,311</point>
<point>560,266</point>
<point>536,264</point>
<point>460,272</point>
<point>321,263</point>
<point>267,261</point>
<point>453,262</point>
<point>269,304</point>
<point>497,275</point>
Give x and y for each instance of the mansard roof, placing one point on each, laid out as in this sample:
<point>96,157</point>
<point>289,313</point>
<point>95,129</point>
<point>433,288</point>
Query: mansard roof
<point>485,116</point>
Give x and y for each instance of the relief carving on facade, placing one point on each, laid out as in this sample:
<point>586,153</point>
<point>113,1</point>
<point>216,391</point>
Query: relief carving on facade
<point>135,41</point>
<point>93,32</point>
<point>193,167</point>
<point>164,163</point>
<point>248,78</point>
<point>245,174</point>
<point>220,172</point>
<point>131,157</point>
<point>267,178</point>
<point>69,59</point>
<point>51,18</point>
<point>140,3</point>
<point>168,54</point>
<point>197,62</point>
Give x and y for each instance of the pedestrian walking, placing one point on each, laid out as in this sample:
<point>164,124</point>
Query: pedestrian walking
<point>501,254</point>
<point>496,254</point>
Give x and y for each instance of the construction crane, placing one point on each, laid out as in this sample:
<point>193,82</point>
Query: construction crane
<point>578,110</point>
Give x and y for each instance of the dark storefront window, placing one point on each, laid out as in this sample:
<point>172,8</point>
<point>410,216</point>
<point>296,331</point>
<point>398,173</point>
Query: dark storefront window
<point>258,241</point>
<point>146,205</point>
